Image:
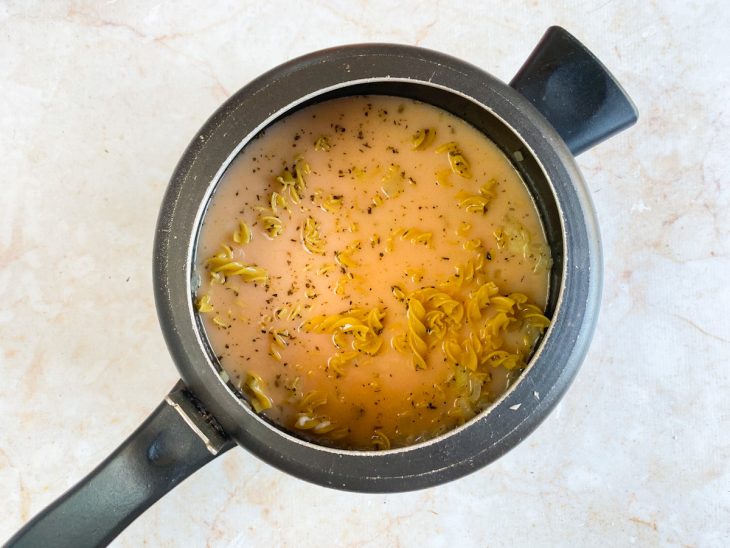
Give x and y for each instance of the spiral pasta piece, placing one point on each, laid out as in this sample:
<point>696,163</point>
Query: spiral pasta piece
<point>344,257</point>
<point>293,182</point>
<point>254,386</point>
<point>243,234</point>
<point>204,304</point>
<point>363,325</point>
<point>416,236</point>
<point>415,316</point>
<point>223,266</point>
<point>380,441</point>
<point>423,138</point>
<point>312,240</point>
<point>457,161</point>
<point>271,225</point>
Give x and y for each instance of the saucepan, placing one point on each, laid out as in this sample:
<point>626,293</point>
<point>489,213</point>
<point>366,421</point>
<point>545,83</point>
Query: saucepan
<point>561,102</point>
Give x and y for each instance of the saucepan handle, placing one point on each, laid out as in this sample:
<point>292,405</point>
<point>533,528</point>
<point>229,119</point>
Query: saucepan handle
<point>175,441</point>
<point>574,91</point>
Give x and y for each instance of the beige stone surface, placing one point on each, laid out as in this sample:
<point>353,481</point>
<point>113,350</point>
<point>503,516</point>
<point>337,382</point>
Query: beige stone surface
<point>99,99</point>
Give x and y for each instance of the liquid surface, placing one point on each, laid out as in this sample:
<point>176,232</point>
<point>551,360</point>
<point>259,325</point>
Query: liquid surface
<point>372,272</point>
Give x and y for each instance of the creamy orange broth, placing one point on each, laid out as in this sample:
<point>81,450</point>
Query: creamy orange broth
<point>376,213</point>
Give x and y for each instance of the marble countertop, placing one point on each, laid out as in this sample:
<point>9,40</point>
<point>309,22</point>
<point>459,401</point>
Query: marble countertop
<point>98,101</point>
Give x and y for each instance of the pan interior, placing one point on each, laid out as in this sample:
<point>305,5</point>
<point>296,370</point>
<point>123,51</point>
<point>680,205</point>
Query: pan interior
<point>482,119</point>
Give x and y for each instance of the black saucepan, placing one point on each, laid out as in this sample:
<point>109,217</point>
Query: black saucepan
<point>561,102</point>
